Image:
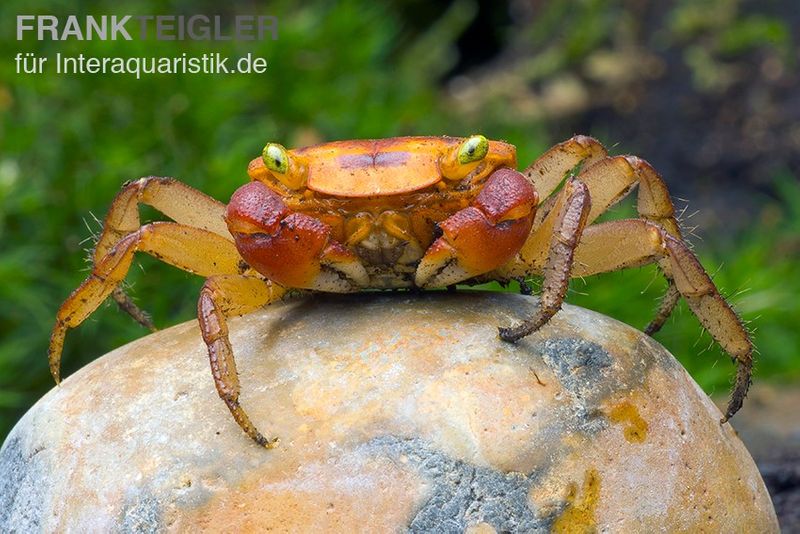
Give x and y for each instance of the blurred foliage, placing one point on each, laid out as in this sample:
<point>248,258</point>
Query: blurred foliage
<point>344,69</point>
<point>714,43</point>
<point>606,44</point>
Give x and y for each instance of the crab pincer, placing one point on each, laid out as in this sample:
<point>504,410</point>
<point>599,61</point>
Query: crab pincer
<point>484,235</point>
<point>293,249</point>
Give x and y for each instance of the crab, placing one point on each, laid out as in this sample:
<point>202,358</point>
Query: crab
<point>405,212</point>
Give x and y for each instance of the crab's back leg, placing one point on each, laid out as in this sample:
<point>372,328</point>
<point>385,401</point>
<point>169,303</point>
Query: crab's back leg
<point>610,180</point>
<point>607,181</point>
<point>221,297</point>
<point>627,243</point>
<point>181,203</point>
<point>552,167</point>
<point>192,249</point>
<point>176,200</point>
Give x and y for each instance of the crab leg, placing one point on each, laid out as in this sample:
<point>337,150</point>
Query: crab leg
<point>668,302</point>
<point>618,244</point>
<point>550,169</point>
<point>191,249</point>
<point>482,236</point>
<point>221,297</point>
<point>610,180</point>
<point>178,201</point>
<point>563,227</point>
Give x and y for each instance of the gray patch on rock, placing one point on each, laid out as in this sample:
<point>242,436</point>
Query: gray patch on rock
<point>582,367</point>
<point>140,514</point>
<point>22,497</point>
<point>464,494</point>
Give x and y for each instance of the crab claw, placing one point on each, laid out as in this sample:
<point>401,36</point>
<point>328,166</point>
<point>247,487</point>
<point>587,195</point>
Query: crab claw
<point>290,248</point>
<point>482,236</point>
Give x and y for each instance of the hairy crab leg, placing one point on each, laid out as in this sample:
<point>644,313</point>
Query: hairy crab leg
<point>563,228</point>
<point>668,302</point>
<point>127,305</point>
<point>610,180</point>
<point>176,200</point>
<point>183,204</point>
<point>221,297</point>
<point>552,167</point>
<point>627,243</point>
<point>191,249</point>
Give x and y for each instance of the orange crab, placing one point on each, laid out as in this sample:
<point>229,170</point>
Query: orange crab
<point>406,212</point>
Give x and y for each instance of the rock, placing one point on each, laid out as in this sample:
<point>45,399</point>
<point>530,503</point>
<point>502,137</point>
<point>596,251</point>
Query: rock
<point>769,425</point>
<point>395,411</point>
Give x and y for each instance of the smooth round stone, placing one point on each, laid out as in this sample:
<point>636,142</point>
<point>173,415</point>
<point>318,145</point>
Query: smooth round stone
<point>395,412</point>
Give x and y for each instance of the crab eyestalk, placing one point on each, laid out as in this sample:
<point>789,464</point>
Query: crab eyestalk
<point>286,168</point>
<point>463,158</point>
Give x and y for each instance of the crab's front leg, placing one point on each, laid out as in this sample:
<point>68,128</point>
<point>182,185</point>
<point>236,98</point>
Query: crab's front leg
<point>221,297</point>
<point>482,236</point>
<point>293,249</point>
<point>550,250</point>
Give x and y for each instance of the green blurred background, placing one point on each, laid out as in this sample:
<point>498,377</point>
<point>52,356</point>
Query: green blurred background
<point>706,91</point>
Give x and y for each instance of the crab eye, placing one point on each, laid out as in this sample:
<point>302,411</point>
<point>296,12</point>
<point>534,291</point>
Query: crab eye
<point>275,158</point>
<point>473,149</point>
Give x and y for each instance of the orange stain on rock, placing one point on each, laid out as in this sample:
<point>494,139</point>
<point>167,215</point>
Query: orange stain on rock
<point>636,427</point>
<point>579,515</point>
